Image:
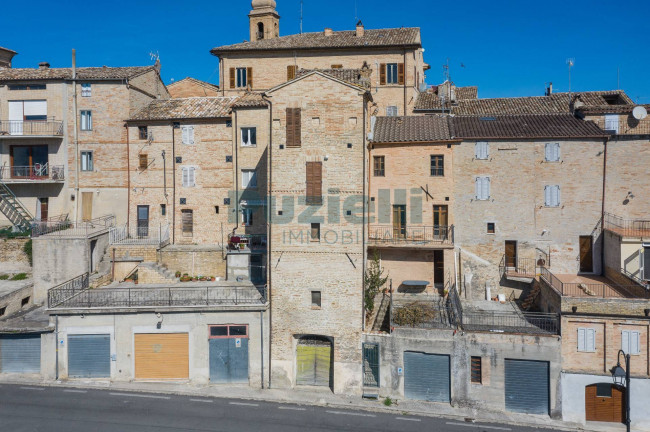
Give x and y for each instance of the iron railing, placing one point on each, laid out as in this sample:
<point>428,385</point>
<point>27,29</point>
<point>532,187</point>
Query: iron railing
<point>31,128</point>
<point>66,228</point>
<point>585,289</point>
<point>627,227</point>
<point>69,298</point>
<point>411,234</point>
<point>636,278</point>
<point>32,173</point>
<point>67,290</point>
<point>140,235</point>
<point>248,241</point>
<point>518,267</point>
<point>511,322</point>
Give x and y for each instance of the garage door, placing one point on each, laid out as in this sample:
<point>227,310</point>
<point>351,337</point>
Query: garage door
<point>20,354</point>
<point>426,376</point>
<point>314,361</point>
<point>89,356</point>
<point>604,402</point>
<point>162,356</point>
<point>229,360</point>
<point>527,387</point>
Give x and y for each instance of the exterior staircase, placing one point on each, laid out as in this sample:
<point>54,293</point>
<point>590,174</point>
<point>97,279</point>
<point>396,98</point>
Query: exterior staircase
<point>532,295</point>
<point>149,272</point>
<point>382,319</point>
<point>13,209</point>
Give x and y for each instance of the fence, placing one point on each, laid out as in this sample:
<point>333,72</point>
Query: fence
<point>32,128</point>
<point>511,322</point>
<point>140,235</point>
<point>65,297</point>
<point>33,173</point>
<point>66,228</point>
<point>67,290</point>
<point>417,234</point>
<point>520,267</point>
<point>627,227</point>
<point>586,289</point>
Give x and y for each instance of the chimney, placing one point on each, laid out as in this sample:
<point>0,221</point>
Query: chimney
<point>43,65</point>
<point>549,89</point>
<point>328,32</point>
<point>360,29</point>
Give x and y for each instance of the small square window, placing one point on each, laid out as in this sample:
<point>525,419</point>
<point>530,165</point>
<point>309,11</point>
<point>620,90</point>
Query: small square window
<point>316,299</point>
<point>604,390</point>
<point>163,209</point>
<point>279,212</point>
<point>24,301</point>
<point>392,111</point>
<point>219,331</point>
<point>476,370</point>
<point>86,90</point>
<point>491,228</point>
<point>349,145</point>
<point>237,330</point>
<point>179,159</point>
<point>228,158</point>
<point>226,201</point>
<point>183,201</point>
<point>143,134</point>
<point>228,123</point>
<point>315,232</point>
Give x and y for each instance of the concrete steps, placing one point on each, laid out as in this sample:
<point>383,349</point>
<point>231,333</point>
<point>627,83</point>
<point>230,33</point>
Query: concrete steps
<point>155,273</point>
<point>532,295</point>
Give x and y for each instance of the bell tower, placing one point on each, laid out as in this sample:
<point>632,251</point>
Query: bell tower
<point>264,20</point>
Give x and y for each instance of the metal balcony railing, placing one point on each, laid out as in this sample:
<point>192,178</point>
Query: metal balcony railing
<point>512,322</point>
<point>518,267</point>
<point>66,228</point>
<point>596,290</point>
<point>411,234</point>
<point>35,173</point>
<point>140,235</point>
<point>627,227</point>
<point>31,128</point>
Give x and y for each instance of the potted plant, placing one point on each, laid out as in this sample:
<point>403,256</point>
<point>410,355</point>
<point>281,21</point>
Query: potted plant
<point>178,274</point>
<point>194,278</point>
<point>185,278</point>
<point>212,278</point>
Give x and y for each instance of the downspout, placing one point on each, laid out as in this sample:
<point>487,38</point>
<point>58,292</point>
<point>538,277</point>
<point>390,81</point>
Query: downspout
<point>262,346</point>
<point>76,134</point>
<point>602,212</point>
<point>269,230</point>
<point>236,174</point>
<point>405,81</point>
<point>56,342</point>
<point>128,177</point>
<point>173,185</point>
<point>364,254</point>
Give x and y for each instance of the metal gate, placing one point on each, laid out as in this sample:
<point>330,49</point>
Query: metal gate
<point>426,377</point>
<point>229,360</point>
<point>370,365</point>
<point>527,386</point>
<point>314,361</point>
<point>89,356</point>
<point>20,354</point>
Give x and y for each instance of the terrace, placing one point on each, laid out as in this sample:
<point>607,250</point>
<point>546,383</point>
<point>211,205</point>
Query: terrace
<point>422,236</point>
<point>44,173</point>
<point>634,228</point>
<point>31,128</point>
<point>589,286</point>
<point>69,229</point>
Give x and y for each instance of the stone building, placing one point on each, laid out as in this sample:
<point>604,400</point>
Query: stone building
<point>6,55</point>
<point>191,87</point>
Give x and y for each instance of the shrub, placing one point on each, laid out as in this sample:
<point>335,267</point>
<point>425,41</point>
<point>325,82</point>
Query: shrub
<point>4,277</point>
<point>374,281</point>
<point>388,401</point>
<point>413,314</point>
<point>27,248</point>
<point>19,276</point>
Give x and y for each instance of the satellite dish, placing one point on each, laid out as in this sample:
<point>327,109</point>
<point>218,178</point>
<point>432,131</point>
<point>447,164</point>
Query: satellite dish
<point>639,113</point>
<point>423,87</point>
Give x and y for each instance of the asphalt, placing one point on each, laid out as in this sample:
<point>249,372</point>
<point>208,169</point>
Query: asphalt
<point>41,408</point>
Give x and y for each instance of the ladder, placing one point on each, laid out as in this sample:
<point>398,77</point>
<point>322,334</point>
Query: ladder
<point>13,209</point>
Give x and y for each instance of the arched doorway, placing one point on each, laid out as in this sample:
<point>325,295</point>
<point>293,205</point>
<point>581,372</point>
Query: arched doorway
<point>605,402</point>
<point>314,361</point>
<point>260,30</point>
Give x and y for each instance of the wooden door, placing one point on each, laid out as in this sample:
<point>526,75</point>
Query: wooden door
<point>440,220</point>
<point>511,253</point>
<point>86,206</point>
<point>399,221</point>
<point>162,356</point>
<point>604,403</point>
<point>43,204</point>
<point>438,267</point>
<point>586,254</point>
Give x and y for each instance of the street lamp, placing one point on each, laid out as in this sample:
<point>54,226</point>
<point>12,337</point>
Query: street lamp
<point>618,375</point>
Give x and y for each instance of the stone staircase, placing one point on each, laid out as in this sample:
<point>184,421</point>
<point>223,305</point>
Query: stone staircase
<point>382,318</point>
<point>531,296</point>
<point>102,275</point>
<point>151,273</point>
<point>13,209</point>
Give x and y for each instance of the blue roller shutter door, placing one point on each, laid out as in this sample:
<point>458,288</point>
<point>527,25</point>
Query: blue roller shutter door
<point>89,356</point>
<point>527,386</point>
<point>426,377</point>
<point>229,360</point>
<point>20,354</point>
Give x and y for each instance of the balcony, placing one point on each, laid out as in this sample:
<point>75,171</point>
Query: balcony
<point>518,268</point>
<point>142,234</point>
<point>68,229</point>
<point>630,228</point>
<point>580,286</point>
<point>419,236</point>
<point>38,173</point>
<point>31,128</point>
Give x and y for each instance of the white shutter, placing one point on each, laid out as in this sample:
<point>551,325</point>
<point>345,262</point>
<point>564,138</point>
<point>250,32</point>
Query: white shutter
<point>611,122</point>
<point>191,134</point>
<point>481,150</point>
<point>557,151</point>
<point>192,176</point>
<point>591,340</point>
<point>188,135</point>
<point>552,152</point>
<point>186,177</point>
<point>548,152</point>
<point>36,108</point>
<point>184,135</point>
<point>16,111</point>
<point>582,339</point>
<point>486,187</point>
<point>557,196</point>
<point>547,196</point>
<point>625,341</point>
<point>635,338</point>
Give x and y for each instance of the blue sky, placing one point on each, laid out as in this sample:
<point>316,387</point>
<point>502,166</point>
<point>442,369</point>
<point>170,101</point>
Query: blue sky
<point>507,47</point>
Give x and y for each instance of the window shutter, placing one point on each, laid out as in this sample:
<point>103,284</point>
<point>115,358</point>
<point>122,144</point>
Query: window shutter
<point>143,161</point>
<point>625,341</point>
<point>548,152</point>
<point>249,77</point>
<point>486,188</point>
<point>310,181</point>
<point>185,177</point>
<point>400,73</point>
<point>581,339</point>
<point>185,135</point>
<point>591,340</point>
<point>297,131</point>
<point>547,196</point>
<point>556,146</point>
<point>477,183</point>
<point>233,83</point>
<point>291,72</point>
<point>290,128</point>
<point>190,134</point>
<point>314,182</point>
<point>382,74</point>
<point>557,196</point>
<point>192,176</point>
<point>635,337</point>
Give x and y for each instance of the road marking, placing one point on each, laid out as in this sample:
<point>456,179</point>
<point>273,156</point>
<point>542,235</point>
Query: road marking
<point>202,400</point>
<point>139,395</point>
<point>479,426</point>
<point>243,403</point>
<point>351,413</point>
<point>75,391</point>
<point>33,388</point>
<point>407,419</point>
<point>292,408</point>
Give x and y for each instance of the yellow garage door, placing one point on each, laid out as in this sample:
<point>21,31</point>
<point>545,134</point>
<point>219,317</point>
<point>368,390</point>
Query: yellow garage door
<point>162,356</point>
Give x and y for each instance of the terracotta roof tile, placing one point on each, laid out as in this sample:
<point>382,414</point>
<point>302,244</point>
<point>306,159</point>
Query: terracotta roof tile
<point>525,126</point>
<point>186,108</point>
<point>358,77</point>
<point>100,73</point>
<point>412,129</point>
<point>250,100</point>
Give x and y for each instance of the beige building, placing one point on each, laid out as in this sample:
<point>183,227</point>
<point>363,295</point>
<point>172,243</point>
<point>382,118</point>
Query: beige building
<point>6,55</point>
<point>191,87</point>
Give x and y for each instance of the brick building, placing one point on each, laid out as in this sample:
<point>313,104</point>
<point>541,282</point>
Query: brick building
<point>191,87</point>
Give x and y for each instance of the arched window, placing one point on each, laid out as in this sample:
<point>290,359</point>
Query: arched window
<point>260,31</point>
<point>277,31</point>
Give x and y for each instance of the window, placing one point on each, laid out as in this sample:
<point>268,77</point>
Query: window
<point>314,183</point>
<point>294,121</point>
<point>86,161</point>
<point>315,232</point>
<point>187,135</point>
<point>379,166</point>
<point>229,331</point>
<point>216,209</point>
<point>491,227</point>
<point>604,390</point>
<point>247,216</point>
<point>552,196</point>
<point>392,111</point>
<point>248,137</point>
<point>337,66</point>
<point>611,123</point>
<point>476,370</point>
<point>24,301</point>
<point>291,72</point>
<point>86,120</point>
<point>3,310</point>
<point>187,222</point>
<point>86,90</point>
<point>189,176</point>
<point>552,152</point>
<point>586,340</point>
<point>316,299</point>
<point>437,165</point>
<point>482,150</point>
<point>143,161</point>
<point>163,209</point>
<point>142,132</point>
<point>482,188</point>
<point>630,342</point>
<point>391,73</point>
<point>248,178</point>
<point>241,77</point>
<point>27,87</point>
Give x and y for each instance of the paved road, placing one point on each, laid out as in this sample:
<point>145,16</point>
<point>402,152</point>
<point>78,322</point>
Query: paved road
<point>32,408</point>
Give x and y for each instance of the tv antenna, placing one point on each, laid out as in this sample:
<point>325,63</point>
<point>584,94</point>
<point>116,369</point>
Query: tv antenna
<point>155,56</point>
<point>445,71</point>
<point>570,62</point>
<point>300,16</point>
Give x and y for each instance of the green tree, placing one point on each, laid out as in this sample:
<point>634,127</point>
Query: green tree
<point>374,281</point>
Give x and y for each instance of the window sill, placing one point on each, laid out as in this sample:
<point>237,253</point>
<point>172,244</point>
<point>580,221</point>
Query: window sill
<point>316,307</point>
<point>249,145</point>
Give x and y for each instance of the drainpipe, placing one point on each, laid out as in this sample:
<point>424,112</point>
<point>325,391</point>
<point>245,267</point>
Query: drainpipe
<point>405,82</point>
<point>602,212</point>
<point>236,172</point>
<point>128,177</point>
<point>56,342</point>
<point>269,230</point>
<point>173,185</point>
<point>364,106</point>
<point>75,134</point>
<point>262,345</point>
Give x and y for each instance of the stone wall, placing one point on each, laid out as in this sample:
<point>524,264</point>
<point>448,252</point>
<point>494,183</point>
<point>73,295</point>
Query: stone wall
<point>12,255</point>
<point>194,260</point>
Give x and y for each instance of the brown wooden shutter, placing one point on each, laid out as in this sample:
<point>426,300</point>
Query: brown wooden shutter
<point>290,128</point>
<point>297,131</point>
<point>249,77</point>
<point>142,159</point>
<point>337,66</point>
<point>232,78</point>
<point>310,181</point>
<point>382,74</point>
<point>293,127</point>
<point>291,72</point>
<point>314,182</point>
<point>400,73</point>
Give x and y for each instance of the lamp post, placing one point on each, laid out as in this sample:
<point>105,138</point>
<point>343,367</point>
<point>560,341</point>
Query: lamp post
<point>619,374</point>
